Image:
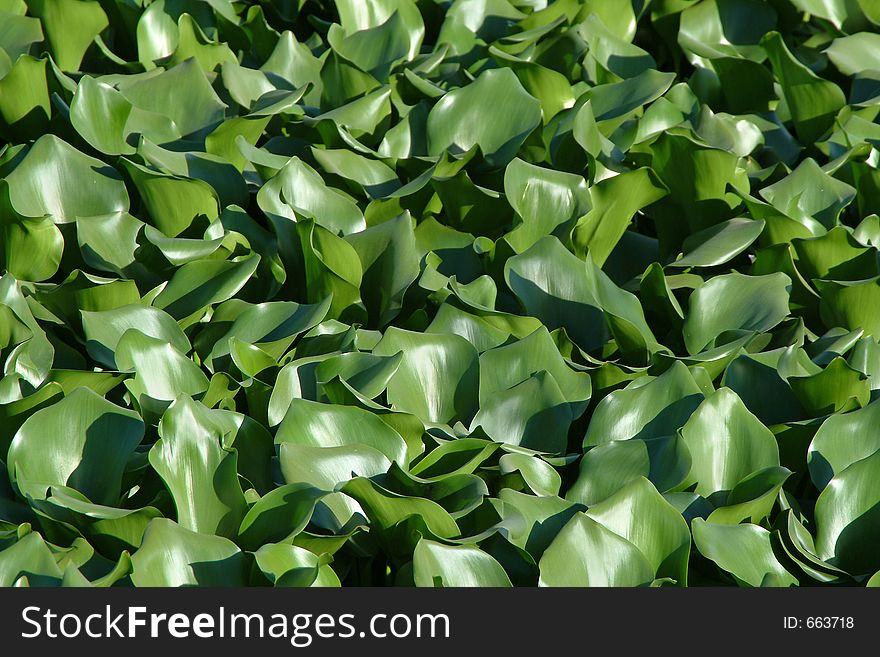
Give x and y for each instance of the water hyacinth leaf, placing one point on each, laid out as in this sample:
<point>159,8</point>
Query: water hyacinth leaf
<point>20,32</point>
<point>846,517</point>
<point>30,557</point>
<point>664,405</point>
<point>305,193</point>
<point>744,551</point>
<point>112,531</point>
<point>289,565</point>
<point>332,270</point>
<point>161,372</point>
<point>174,556</point>
<point>280,514</point>
<point>103,330</point>
<point>855,53</point>
<point>545,200</point>
<point>95,438</point>
<point>609,467</point>
<point>724,28</point>
<point>69,45</point>
<point>364,372</point>
<point>809,192</point>
<point>720,243</point>
<point>600,229</point>
<point>586,553</point>
<point>388,509</point>
<point>181,93</point>
<point>437,377</point>
<point>199,284</point>
<point>375,48</point>
<point>618,99</point>
<point>812,100</point>
<point>388,257</point>
<point>494,112</point>
<point>735,302</point>
<point>331,425</point>
<point>24,96</point>
<point>559,294</point>
<point>478,292</point>
<point>110,123</point>
<point>539,475</point>
<point>199,470</point>
<point>850,304</point>
<point>841,441</point>
<point>436,564</point>
<point>532,414</point>
<point>727,443</point>
<point>506,366</point>
<point>325,468</point>
<point>831,389</point>
<point>173,202</point>
<point>752,498</point>
<point>639,514</point>
<point>272,326</point>
<point>56,179</point>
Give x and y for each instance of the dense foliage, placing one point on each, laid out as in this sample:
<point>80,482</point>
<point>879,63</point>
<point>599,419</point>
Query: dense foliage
<point>472,292</point>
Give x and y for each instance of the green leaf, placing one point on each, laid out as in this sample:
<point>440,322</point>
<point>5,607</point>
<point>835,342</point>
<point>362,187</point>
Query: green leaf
<point>855,53</point>
<point>735,302</point>
<point>846,517</point>
<point>103,330</point>
<point>390,265</point>
<point>29,557</point>
<point>437,378</point>
<point>278,516</point>
<point>388,509</point>
<point>727,443</point>
<point>532,414</point>
<point>615,201</point>
<point>57,180</point>
<point>301,192</point>
<point>851,305</point>
<point>618,99</point>
<point>70,26</point>
<point>435,564</point>
<point>83,441</point>
<point>646,408</point>
<point>810,193</point>
<point>494,112</point>
<point>181,93</point>
<point>720,243</point>
<point>639,514</point>
<point>563,291</point>
<point>586,553</point>
<point>544,200</point>
<point>609,467</point>
<point>24,96</point>
<point>326,468</point>
<point>506,366</point>
<point>835,255</point>
<point>832,389</point>
<point>813,101</point>
<point>199,284</point>
<point>161,372</point>
<point>174,556</point>
<point>199,470</point>
<point>744,551</point>
<point>539,475</point>
<point>333,425</point>
<point>752,498</point>
<point>289,565</point>
<point>841,441</point>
